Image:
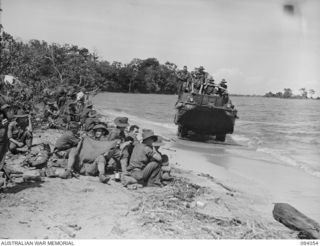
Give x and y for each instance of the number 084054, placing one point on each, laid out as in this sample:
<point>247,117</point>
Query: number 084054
<point>309,242</point>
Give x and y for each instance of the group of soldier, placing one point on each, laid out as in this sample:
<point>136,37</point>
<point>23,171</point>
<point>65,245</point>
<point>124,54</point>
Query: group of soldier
<point>132,156</point>
<point>200,82</point>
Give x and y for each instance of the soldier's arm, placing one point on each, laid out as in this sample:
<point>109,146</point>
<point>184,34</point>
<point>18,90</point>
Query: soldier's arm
<point>10,134</point>
<point>154,154</point>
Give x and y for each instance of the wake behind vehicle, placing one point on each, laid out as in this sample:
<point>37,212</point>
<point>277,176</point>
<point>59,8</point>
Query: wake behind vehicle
<point>205,115</point>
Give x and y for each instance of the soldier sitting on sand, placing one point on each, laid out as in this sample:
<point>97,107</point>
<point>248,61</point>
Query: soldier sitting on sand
<point>119,131</point>
<point>91,121</point>
<point>130,141</point>
<point>51,113</point>
<point>97,167</point>
<point>133,133</point>
<point>115,158</point>
<point>20,133</point>
<point>145,161</point>
<point>100,132</point>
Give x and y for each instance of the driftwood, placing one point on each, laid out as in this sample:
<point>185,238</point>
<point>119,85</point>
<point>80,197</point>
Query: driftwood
<point>295,220</point>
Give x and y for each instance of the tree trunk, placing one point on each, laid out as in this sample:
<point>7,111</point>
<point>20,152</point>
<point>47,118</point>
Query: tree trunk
<point>295,220</point>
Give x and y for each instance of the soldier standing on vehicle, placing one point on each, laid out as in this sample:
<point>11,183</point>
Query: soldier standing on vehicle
<point>184,79</point>
<point>200,80</point>
<point>222,91</point>
<point>196,82</point>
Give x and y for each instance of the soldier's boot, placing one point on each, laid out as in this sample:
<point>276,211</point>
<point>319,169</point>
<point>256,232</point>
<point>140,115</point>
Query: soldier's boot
<point>103,178</point>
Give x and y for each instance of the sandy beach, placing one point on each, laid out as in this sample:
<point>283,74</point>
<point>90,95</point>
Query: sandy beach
<point>201,203</point>
<point>221,191</point>
<point>253,172</point>
<point>232,87</point>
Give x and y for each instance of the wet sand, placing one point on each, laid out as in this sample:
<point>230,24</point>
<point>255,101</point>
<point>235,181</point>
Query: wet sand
<point>258,174</point>
<point>231,189</point>
<point>255,173</point>
<point>195,205</point>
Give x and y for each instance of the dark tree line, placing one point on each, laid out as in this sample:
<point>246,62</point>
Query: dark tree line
<point>41,65</point>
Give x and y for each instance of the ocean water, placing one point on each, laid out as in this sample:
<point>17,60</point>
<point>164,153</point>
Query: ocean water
<point>287,130</point>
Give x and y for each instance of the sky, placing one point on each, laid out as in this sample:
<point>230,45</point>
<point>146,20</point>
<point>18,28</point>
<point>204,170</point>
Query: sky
<point>257,45</point>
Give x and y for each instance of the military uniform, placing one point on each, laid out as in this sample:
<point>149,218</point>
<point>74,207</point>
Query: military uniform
<point>67,141</point>
<point>199,80</point>
<point>116,133</point>
<point>19,133</point>
<point>210,86</point>
<point>143,165</point>
<point>184,79</point>
<point>223,88</point>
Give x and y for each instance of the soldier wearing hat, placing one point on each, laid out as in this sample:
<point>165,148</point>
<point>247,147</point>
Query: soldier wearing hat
<point>184,79</point>
<point>145,161</point>
<point>51,113</point>
<point>99,166</point>
<point>119,132</point>
<point>209,87</point>
<point>223,84</point>
<point>92,119</point>
<point>20,133</point>
<point>199,80</point>
<point>100,132</point>
<point>222,88</point>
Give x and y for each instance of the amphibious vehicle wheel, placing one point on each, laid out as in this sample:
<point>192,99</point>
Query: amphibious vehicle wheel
<point>221,137</point>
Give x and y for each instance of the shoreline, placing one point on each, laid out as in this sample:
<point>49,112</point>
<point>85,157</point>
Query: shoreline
<point>219,203</point>
<point>281,182</point>
<point>196,205</point>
